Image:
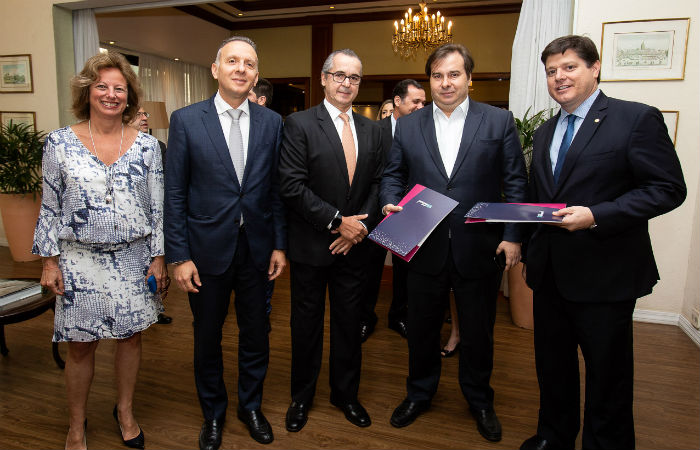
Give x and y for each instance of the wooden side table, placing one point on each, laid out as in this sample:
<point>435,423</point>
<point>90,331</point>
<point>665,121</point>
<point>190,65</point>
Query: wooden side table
<point>37,305</point>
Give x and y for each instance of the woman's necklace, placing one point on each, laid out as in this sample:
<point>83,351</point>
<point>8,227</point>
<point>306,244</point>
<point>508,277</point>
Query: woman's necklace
<point>108,194</point>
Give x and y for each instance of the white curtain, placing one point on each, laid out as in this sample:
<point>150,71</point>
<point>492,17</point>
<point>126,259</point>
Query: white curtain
<point>176,83</point>
<point>86,41</point>
<point>540,22</point>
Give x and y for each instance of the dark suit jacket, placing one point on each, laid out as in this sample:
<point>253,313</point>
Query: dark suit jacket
<point>622,165</point>
<point>314,182</point>
<point>489,162</point>
<point>387,138</point>
<point>203,199</point>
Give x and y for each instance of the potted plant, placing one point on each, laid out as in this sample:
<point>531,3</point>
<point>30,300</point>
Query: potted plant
<point>520,294</point>
<point>21,150</point>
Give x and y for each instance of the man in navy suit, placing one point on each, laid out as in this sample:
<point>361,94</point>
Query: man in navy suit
<point>614,165</point>
<point>330,166</point>
<point>471,153</point>
<point>408,96</point>
<point>225,230</point>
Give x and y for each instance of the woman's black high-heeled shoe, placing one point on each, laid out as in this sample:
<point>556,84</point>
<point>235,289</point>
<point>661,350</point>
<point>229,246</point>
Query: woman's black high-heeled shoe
<point>137,442</point>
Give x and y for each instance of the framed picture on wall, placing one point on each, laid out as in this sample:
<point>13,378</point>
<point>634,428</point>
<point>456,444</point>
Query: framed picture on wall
<point>644,50</point>
<point>18,117</point>
<point>16,74</point>
<point>671,119</point>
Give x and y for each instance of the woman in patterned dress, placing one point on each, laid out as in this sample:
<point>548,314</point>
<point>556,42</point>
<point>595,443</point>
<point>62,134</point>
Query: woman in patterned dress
<point>100,233</point>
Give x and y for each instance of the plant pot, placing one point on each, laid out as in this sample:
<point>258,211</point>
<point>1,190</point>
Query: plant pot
<point>520,298</point>
<point>19,216</point>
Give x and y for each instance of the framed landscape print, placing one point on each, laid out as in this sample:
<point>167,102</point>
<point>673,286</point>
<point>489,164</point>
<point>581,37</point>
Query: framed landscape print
<point>16,74</point>
<point>644,50</point>
<point>18,117</point>
<point>671,119</point>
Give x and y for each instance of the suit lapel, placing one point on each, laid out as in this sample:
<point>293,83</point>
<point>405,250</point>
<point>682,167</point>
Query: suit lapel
<point>363,148</point>
<point>253,138</point>
<point>590,125</point>
<point>471,125</point>
<point>328,128</point>
<point>213,126</point>
<point>430,138</point>
<point>541,152</point>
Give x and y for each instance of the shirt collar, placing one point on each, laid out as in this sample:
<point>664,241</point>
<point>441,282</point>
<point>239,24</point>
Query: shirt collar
<point>583,108</point>
<point>335,112</point>
<point>222,106</point>
<point>463,107</point>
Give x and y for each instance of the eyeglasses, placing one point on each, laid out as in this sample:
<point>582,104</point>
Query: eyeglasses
<point>339,77</point>
<point>144,114</point>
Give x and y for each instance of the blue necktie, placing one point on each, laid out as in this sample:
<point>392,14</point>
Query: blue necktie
<point>564,147</point>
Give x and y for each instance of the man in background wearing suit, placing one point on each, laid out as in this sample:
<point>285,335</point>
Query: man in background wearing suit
<point>471,153</point>
<point>261,93</point>
<point>330,167</point>
<point>140,122</point>
<point>613,162</point>
<point>225,230</point>
<point>408,96</point>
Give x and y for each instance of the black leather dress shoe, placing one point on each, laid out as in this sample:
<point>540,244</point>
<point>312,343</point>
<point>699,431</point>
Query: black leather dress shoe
<point>399,326</point>
<point>163,319</point>
<point>355,413</point>
<point>366,328</point>
<point>487,423</point>
<point>536,442</point>
<point>210,435</point>
<point>137,442</point>
<point>407,412</point>
<point>297,415</point>
<point>258,426</point>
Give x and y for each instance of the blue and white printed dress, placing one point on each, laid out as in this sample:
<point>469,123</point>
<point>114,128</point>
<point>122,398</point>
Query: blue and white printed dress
<point>106,223</point>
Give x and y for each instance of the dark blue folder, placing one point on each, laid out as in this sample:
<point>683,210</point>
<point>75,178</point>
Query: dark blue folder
<point>403,232</point>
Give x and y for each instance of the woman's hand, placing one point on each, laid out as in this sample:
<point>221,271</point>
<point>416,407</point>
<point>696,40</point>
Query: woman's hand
<point>160,271</point>
<point>51,276</point>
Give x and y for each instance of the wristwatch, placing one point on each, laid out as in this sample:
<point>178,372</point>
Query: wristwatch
<point>337,220</point>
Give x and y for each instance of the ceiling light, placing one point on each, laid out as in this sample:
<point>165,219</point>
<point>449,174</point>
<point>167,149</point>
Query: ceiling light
<point>420,30</point>
<point>112,42</point>
<point>176,59</point>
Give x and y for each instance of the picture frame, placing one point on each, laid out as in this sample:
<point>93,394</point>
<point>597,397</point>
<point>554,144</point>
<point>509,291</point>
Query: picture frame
<point>643,50</point>
<point>671,119</point>
<point>28,117</point>
<point>16,74</point>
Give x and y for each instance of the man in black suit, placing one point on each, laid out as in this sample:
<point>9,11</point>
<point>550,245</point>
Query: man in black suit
<point>613,162</point>
<point>469,152</point>
<point>225,231</point>
<point>408,96</point>
<point>330,171</point>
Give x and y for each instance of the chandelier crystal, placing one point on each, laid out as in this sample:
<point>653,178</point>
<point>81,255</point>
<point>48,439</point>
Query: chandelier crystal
<point>420,30</point>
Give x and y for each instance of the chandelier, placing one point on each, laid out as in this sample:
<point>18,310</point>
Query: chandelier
<point>420,30</point>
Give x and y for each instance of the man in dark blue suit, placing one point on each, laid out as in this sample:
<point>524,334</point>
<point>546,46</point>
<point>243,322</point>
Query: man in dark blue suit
<point>613,162</point>
<point>471,153</point>
<point>225,230</point>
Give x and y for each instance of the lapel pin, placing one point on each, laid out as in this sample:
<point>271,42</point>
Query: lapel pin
<point>596,120</point>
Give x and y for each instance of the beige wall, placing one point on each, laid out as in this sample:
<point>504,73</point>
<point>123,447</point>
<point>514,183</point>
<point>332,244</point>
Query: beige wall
<point>490,39</point>
<point>674,235</point>
<point>283,52</point>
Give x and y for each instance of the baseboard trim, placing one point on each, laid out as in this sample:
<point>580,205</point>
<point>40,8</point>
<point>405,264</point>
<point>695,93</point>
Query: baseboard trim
<point>667,318</point>
<point>650,316</point>
<point>692,332</point>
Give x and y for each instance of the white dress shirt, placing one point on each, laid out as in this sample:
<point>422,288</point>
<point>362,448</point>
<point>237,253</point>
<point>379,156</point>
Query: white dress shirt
<point>448,131</point>
<point>338,122</point>
<point>225,119</point>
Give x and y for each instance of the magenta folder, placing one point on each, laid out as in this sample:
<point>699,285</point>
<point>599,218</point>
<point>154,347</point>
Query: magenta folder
<point>514,212</point>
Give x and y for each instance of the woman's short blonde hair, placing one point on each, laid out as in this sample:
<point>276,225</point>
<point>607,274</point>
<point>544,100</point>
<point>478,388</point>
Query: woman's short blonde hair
<point>80,84</point>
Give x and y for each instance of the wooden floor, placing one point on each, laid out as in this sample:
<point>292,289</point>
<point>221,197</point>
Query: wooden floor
<point>33,406</point>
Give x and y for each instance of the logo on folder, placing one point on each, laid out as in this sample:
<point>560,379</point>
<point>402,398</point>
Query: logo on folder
<point>422,203</point>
